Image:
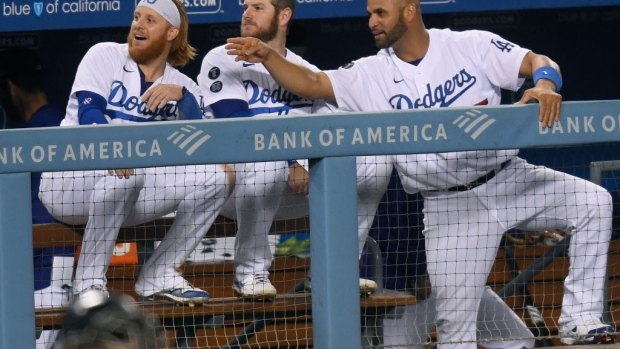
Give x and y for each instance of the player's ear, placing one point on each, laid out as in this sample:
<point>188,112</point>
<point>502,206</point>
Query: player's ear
<point>410,11</point>
<point>285,16</point>
<point>173,32</point>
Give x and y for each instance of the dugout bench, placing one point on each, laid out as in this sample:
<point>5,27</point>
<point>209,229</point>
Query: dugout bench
<point>185,320</point>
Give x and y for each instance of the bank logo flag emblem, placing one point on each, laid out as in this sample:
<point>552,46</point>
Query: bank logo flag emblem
<point>188,136</point>
<point>473,123</point>
<point>38,8</point>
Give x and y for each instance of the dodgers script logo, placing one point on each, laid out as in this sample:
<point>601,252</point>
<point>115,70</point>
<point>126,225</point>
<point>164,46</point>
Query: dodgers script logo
<point>277,96</point>
<point>439,96</point>
<point>136,109</point>
<point>444,95</point>
<point>401,102</point>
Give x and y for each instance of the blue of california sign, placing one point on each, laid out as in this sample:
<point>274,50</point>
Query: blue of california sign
<point>25,15</point>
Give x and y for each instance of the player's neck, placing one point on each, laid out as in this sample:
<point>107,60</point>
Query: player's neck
<point>152,73</point>
<point>413,45</point>
<point>278,44</point>
<point>154,69</point>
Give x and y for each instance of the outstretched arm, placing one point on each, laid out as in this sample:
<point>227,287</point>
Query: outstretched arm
<point>546,74</point>
<point>295,78</point>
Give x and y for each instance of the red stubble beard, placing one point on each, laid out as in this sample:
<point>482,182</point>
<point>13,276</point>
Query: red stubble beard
<point>145,55</point>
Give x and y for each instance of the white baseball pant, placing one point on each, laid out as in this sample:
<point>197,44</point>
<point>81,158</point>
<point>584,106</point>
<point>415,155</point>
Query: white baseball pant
<point>262,194</point>
<point>498,326</point>
<point>463,231</point>
<point>55,295</point>
<point>106,203</point>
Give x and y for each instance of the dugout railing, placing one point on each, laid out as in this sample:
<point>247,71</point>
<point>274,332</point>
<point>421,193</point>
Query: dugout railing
<point>331,141</point>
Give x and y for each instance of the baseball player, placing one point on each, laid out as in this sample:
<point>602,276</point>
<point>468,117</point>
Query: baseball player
<point>470,198</point>
<point>397,228</point>
<point>241,89</point>
<point>130,83</point>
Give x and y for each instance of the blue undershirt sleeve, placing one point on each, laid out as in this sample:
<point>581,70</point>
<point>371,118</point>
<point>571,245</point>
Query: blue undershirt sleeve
<point>91,108</point>
<point>231,108</point>
<point>189,108</point>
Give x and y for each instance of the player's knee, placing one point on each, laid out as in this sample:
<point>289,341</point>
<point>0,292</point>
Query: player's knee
<point>599,202</point>
<point>607,200</point>
<point>116,189</point>
<point>597,195</point>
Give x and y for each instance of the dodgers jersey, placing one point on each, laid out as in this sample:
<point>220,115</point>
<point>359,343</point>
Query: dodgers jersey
<point>108,70</point>
<point>460,69</point>
<point>222,78</point>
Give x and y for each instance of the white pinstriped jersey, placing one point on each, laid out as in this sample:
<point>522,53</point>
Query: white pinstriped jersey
<point>460,69</point>
<point>222,78</point>
<point>108,71</point>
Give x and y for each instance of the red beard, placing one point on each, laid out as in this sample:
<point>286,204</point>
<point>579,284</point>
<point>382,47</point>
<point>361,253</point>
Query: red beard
<point>149,53</point>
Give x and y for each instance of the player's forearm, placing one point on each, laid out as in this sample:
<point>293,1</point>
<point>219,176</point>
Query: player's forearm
<point>543,69</point>
<point>298,79</point>
<point>546,73</point>
<point>543,61</point>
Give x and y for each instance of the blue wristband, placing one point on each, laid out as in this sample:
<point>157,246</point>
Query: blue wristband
<point>550,74</point>
<point>291,162</point>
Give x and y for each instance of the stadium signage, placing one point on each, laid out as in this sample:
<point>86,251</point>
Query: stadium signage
<point>582,124</point>
<point>28,15</point>
<point>355,136</point>
<point>299,137</point>
<point>80,152</point>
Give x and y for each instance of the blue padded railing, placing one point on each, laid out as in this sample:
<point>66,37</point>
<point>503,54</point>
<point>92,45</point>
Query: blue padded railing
<point>333,140</point>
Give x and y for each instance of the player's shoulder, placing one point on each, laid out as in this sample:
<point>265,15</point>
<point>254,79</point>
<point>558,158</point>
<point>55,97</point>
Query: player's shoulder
<point>218,56</point>
<point>297,59</point>
<point>110,48</point>
<point>449,35</point>
<point>469,41</point>
<point>108,54</point>
<point>383,56</point>
<point>218,51</point>
<point>177,76</point>
<point>363,67</point>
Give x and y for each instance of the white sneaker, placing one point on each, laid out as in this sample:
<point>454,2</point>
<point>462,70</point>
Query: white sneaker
<point>589,334</point>
<point>367,287</point>
<point>256,287</point>
<point>92,288</point>
<point>184,293</point>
